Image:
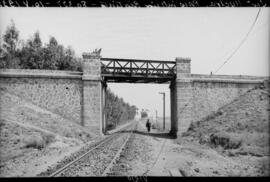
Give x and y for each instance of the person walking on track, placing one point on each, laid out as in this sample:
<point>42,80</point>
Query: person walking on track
<point>148,125</point>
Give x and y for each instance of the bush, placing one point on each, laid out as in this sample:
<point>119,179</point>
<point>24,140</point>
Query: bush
<point>38,142</point>
<point>252,150</point>
<point>225,140</point>
<point>110,126</point>
<point>144,114</point>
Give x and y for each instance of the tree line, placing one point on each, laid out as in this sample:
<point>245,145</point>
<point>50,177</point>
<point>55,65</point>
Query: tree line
<point>33,54</point>
<point>117,110</point>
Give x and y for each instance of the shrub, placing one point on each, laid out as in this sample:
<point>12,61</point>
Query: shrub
<point>252,150</point>
<point>110,126</point>
<point>48,138</point>
<point>34,142</point>
<point>38,142</point>
<point>225,140</point>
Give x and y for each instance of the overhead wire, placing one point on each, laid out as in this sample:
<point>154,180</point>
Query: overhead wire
<point>242,42</point>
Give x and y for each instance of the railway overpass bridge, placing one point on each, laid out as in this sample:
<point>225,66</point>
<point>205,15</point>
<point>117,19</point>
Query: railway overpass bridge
<point>192,96</point>
<point>100,71</point>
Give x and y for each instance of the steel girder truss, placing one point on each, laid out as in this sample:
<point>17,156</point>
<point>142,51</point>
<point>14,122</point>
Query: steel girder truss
<point>131,70</point>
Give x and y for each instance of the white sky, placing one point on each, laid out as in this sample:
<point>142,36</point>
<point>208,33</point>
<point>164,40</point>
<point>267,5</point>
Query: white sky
<point>206,35</point>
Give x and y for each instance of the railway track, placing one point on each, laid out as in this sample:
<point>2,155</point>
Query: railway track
<point>123,166</point>
<point>98,159</point>
<point>107,171</point>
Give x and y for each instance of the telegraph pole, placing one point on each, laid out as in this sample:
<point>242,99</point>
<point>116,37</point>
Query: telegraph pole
<point>163,93</point>
<point>156,117</point>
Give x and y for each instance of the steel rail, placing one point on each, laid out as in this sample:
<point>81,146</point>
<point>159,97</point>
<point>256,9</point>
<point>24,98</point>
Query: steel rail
<point>106,171</point>
<point>87,153</point>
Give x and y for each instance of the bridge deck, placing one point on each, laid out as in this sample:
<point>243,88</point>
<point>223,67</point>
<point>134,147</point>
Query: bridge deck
<point>137,71</point>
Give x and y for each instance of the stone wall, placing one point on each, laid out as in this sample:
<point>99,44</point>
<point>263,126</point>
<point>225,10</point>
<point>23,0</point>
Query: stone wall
<point>201,95</point>
<point>202,98</point>
<point>77,96</point>
<point>58,91</point>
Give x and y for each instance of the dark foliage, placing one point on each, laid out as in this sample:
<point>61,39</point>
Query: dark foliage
<point>117,111</point>
<point>144,113</point>
<point>32,54</point>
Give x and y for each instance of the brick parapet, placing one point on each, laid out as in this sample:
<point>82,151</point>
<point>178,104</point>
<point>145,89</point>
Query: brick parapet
<point>91,64</point>
<point>221,80</point>
<point>183,68</point>
<point>249,77</point>
<point>31,73</point>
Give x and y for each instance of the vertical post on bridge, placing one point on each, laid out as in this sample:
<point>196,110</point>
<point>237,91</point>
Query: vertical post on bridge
<point>104,97</point>
<point>92,116</point>
<point>173,95</point>
<point>164,111</point>
<point>163,93</point>
<point>183,94</point>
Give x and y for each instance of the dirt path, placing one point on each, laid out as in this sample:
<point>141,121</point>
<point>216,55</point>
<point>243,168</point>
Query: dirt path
<point>141,153</point>
<point>156,154</point>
